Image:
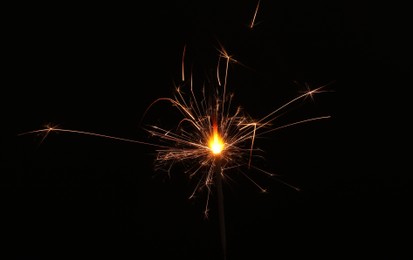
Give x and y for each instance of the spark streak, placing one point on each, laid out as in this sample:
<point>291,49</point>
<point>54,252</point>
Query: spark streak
<point>49,129</point>
<point>252,24</point>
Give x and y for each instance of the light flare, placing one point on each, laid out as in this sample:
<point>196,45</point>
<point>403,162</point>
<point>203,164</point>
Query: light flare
<point>216,144</point>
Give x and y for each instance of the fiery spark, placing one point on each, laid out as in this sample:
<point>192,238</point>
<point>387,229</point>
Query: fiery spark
<point>215,142</point>
<point>213,134</point>
<point>252,24</point>
<point>212,137</point>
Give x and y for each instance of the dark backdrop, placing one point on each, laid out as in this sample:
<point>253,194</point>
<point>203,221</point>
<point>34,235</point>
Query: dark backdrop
<point>98,67</point>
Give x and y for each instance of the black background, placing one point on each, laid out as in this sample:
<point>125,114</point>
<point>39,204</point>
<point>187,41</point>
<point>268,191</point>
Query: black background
<point>97,68</point>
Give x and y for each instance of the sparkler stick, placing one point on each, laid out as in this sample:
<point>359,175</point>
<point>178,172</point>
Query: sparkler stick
<point>216,147</point>
<point>221,214</point>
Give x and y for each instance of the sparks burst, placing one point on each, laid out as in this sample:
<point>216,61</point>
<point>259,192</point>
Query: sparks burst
<point>213,137</point>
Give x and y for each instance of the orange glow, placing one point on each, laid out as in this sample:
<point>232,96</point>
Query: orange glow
<point>215,142</point>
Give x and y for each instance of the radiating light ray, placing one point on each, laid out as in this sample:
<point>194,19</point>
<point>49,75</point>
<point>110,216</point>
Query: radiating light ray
<point>278,179</point>
<point>295,123</point>
<point>252,24</point>
<point>48,130</point>
<point>254,182</point>
<point>183,64</point>
<point>252,144</point>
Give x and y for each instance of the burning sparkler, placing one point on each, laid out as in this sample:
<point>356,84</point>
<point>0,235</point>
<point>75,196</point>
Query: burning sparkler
<point>212,137</point>
<point>211,133</point>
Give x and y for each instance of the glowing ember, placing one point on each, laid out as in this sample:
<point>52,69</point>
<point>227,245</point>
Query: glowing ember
<point>215,142</point>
